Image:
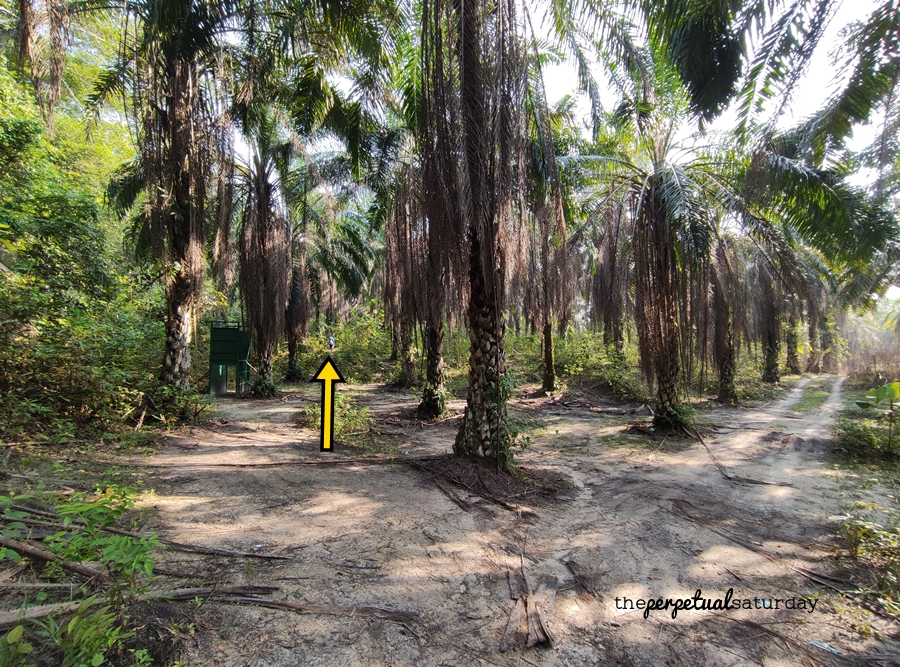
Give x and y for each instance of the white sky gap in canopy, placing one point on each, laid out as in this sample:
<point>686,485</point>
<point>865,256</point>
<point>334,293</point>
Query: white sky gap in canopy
<point>813,90</point>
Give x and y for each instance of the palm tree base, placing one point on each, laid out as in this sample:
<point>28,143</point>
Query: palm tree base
<point>433,403</point>
<point>264,385</point>
<point>671,420</point>
<point>294,374</point>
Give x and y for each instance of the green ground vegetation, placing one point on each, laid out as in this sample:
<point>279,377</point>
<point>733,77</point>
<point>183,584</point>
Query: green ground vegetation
<point>870,527</point>
<point>814,395</point>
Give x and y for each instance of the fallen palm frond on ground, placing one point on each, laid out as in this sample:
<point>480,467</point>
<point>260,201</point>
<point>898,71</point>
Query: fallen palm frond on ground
<point>533,597</point>
<point>246,595</point>
<point>178,546</point>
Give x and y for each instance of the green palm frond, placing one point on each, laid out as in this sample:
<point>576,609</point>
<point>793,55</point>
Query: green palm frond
<point>111,83</point>
<point>701,40</point>
<point>873,68</point>
<point>782,55</point>
<point>126,186</point>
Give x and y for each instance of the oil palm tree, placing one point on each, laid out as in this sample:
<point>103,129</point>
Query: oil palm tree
<point>166,69</point>
<point>264,238</point>
<point>473,91</point>
<point>544,199</point>
<point>333,247</point>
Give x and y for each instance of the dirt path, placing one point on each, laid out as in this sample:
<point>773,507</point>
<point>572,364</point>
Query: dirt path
<point>641,519</point>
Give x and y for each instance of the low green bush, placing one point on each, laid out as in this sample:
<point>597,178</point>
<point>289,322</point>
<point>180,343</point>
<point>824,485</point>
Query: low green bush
<point>349,419</point>
<point>877,546</point>
<point>862,439</point>
<point>98,626</point>
<point>362,350</point>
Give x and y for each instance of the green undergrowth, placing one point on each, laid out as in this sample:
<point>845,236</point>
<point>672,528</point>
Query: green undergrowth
<point>94,627</point>
<point>751,388</point>
<point>82,325</point>
<point>869,530</point>
<point>874,543</point>
<point>869,468</point>
<point>581,359</point>
<point>352,423</point>
<point>814,395</point>
<point>864,436</point>
<point>363,355</point>
<point>362,350</point>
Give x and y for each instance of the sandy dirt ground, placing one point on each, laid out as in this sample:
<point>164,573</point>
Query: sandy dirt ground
<point>639,517</point>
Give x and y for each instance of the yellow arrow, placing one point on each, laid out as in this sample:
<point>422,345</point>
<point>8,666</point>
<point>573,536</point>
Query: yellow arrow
<point>327,375</point>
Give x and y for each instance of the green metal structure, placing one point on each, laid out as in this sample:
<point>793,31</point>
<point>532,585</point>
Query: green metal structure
<point>228,346</point>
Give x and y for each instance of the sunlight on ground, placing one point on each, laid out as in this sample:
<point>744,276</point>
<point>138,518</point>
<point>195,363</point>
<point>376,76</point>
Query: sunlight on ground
<point>339,503</point>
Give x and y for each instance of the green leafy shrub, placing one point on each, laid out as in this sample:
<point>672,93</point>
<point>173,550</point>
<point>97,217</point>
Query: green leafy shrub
<point>362,349</point>
<point>349,419</point>
<point>82,331</point>
<point>88,635</point>
<point>866,432</point>
<point>877,547</point>
<point>861,439</point>
<point>15,649</point>
<point>71,370</point>
<point>581,355</point>
<point>97,626</point>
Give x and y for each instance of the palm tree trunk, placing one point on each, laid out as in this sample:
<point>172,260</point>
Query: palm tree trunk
<point>433,403</point>
<point>727,389</point>
<point>829,351</point>
<point>813,362</point>
<point>482,434</point>
<point>771,355</point>
<point>297,318</point>
<point>405,350</point>
<point>293,373</point>
<point>724,337</point>
<point>667,368</point>
<point>771,326</point>
<point>179,328</point>
<point>487,139</point>
<point>656,304</point>
<point>793,344</point>
<point>264,387</point>
<point>562,327</point>
<point>183,220</point>
<point>549,375</point>
<point>549,380</point>
<point>613,335</point>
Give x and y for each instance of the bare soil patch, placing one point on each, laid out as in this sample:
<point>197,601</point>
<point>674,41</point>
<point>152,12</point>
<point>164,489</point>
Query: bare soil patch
<point>604,514</point>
